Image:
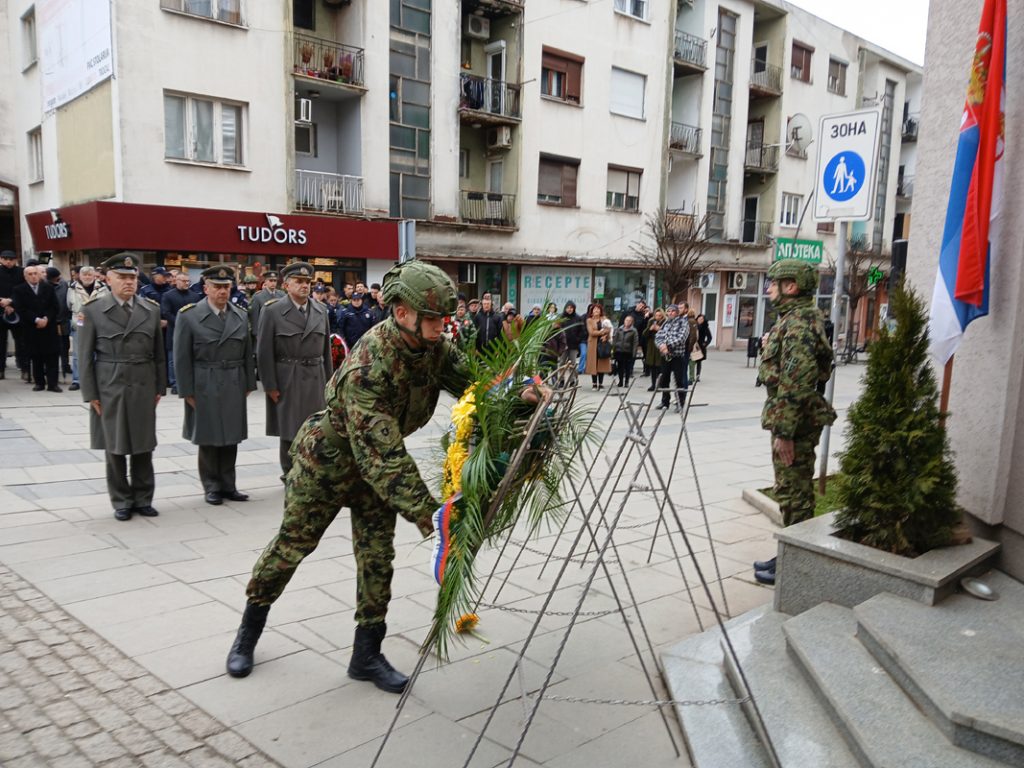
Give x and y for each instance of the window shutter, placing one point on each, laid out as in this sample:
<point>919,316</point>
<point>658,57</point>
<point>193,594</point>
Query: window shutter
<point>550,182</point>
<point>627,93</point>
<point>574,83</point>
<point>557,63</point>
<point>569,184</point>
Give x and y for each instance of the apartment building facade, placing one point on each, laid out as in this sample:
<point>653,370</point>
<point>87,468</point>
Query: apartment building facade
<point>530,140</point>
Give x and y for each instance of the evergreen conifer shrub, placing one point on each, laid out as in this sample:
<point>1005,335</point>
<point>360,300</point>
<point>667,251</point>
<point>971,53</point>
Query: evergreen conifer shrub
<point>897,485</point>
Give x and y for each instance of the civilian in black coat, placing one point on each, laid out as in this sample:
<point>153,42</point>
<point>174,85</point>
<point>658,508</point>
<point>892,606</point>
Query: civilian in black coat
<point>35,302</point>
<point>11,274</point>
<point>487,322</point>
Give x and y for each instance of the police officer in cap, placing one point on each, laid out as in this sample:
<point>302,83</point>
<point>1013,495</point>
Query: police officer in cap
<point>215,374</point>
<point>123,375</point>
<point>293,355</point>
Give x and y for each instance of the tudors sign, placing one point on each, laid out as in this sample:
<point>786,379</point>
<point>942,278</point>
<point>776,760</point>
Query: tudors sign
<point>274,232</point>
<point>805,250</point>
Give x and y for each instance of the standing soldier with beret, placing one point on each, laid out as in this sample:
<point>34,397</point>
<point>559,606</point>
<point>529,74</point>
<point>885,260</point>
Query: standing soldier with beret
<point>353,454</point>
<point>293,354</point>
<point>123,375</point>
<point>795,364</point>
<point>213,366</point>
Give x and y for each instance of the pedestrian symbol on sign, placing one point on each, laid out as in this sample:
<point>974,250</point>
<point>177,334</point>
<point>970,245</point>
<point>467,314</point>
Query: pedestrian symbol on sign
<point>844,176</point>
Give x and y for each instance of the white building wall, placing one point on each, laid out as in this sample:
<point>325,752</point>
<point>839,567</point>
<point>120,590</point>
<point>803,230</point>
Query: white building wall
<point>159,50</point>
<point>375,111</point>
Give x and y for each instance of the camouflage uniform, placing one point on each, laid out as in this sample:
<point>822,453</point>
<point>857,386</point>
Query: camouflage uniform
<point>353,454</point>
<point>797,358</point>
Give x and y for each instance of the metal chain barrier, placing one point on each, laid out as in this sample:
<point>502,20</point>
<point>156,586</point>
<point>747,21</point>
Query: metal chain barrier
<point>510,609</point>
<point>648,702</point>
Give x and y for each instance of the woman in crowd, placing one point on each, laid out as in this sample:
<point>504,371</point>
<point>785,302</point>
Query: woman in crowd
<point>652,355</point>
<point>703,341</point>
<point>625,342</point>
<point>598,341</point>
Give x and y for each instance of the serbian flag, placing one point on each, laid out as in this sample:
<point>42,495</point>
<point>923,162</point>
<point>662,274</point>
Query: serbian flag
<point>972,228</point>
<point>442,546</point>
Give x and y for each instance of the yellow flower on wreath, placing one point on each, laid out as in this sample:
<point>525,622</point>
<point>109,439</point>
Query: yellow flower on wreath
<point>458,448</point>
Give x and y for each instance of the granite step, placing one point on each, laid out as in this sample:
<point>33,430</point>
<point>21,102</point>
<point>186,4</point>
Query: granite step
<point>961,661</point>
<point>802,734</point>
<point>882,726</point>
<point>716,736</point>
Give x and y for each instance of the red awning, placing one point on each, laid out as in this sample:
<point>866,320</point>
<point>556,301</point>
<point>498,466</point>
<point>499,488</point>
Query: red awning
<point>110,225</point>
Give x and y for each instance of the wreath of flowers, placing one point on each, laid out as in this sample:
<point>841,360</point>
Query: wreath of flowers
<point>487,430</point>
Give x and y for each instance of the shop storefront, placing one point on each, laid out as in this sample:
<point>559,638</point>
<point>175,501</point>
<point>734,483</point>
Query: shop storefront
<point>540,285</point>
<point>341,250</point>
<point>620,289</point>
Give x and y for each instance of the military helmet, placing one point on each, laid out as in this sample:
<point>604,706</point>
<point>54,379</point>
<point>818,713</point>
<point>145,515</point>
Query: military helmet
<point>801,272</point>
<point>424,287</point>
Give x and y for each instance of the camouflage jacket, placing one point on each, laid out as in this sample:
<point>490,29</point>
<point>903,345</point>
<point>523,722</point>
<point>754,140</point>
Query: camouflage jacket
<point>382,393</point>
<point>796,358</point>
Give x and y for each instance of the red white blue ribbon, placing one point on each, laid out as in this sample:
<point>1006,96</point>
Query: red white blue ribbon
<point>442,546</point>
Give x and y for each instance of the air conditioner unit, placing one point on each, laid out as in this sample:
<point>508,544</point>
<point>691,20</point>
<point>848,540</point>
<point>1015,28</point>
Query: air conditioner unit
<point>707,281</point>
<point>499,137</point>
<point>467,273</point>
<point>738,280</point>
<point>304,111</point>
<point>478,27</point>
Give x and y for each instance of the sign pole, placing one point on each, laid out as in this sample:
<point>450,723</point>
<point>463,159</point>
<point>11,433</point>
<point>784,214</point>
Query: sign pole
<point>837,295</point>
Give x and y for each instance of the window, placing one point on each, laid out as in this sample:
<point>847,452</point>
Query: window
<point>463,163</point>
<point>623,188</point>
<point>836,77</point>
<point>792,205</point>
<point>561,76</point>
<point>228,11</point>
<point>35,155</point>
<point>635,8</point>
<point>305,139</point>
<point>801,65</point>
<point>557,181</point>
<point>205,131</point>
<point>303,14</point>
<point>28,39</point>
<point>826,226</point>
<point>627,93</point>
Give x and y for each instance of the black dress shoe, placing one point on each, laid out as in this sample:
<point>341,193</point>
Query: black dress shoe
<point>174,390</point>
<point>122,514</point>
<point>212,497</point>
<point>74,387</point>
<point>38,388</point>
<point>651,388</point>
<point>662,406</point>
<point>765,577</point>
<point>3,373</point>
<point>234,496</point>
<point>765,565</point>
<point>54,389</point>
<point>146,511</point>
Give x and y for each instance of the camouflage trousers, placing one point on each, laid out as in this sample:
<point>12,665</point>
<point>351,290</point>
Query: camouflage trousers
<point>323,478</point>
<point>794,485</point>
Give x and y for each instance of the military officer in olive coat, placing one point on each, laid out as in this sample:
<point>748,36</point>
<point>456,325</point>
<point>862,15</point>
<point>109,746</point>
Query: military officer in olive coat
<point>214,366</point>
<point>259,300</point>
<point>293,355</point>
<point>123,375</point>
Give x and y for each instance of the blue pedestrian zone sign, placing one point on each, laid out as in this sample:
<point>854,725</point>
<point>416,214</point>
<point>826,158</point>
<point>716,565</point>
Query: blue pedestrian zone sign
<point>844,176</point>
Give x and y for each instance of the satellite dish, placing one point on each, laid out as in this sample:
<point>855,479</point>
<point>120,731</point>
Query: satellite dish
<point>798,134</point>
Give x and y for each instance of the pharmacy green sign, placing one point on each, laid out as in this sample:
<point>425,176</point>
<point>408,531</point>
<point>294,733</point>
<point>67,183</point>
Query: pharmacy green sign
<point>805,250</point>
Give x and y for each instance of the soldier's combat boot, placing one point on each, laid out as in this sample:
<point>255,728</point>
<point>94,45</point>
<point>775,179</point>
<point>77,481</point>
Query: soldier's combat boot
<point>368,663</point>
<point>240,657</point>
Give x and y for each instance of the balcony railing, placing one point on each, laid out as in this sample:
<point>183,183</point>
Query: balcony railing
<point>483,94</point>
<point>495,209</point>
<point>690,49</point>
<point>328,60</point>
<point>680,223</point>
<point>762,157</point>
<point>328,192</point>
<point>910,126</point>
<point>765,78</point>
<point>905,187</point>
<point>684,138</point>
<point>756,232</point>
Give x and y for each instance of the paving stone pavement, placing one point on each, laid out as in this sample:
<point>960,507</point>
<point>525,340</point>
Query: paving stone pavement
<point>114,634</point>
<point>72,700</point>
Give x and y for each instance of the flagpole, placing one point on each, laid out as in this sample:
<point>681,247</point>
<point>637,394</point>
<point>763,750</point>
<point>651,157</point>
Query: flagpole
<point>947,378</point>
<point>837,295</point>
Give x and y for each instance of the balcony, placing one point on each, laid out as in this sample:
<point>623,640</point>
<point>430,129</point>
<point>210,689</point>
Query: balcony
<point>483,101</point>
<point>765,79</point>
<point>493,7</point>
<point>905,187</point>
<point>328,61</point>
<point>328,192</point>
<point>910,126</point>
<point>761,158</point>
<point>680,224</point>
<point>756,232</point>
<point>685,139</point>
<point>491,209</point>
<point>690,54</point>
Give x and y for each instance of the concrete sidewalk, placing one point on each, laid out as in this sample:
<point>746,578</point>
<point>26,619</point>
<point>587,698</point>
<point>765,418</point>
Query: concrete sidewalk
<point>167,592</point>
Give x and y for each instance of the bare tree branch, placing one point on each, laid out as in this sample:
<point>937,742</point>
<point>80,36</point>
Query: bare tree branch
<point>674,244</point>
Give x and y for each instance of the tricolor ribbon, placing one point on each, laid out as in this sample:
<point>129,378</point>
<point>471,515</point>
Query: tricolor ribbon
<point>442,546</point>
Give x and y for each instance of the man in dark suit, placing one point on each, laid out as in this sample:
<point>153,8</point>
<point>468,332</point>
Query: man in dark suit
<point>11,275</point>
<point>123,374</point>
<point>35,303</point>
